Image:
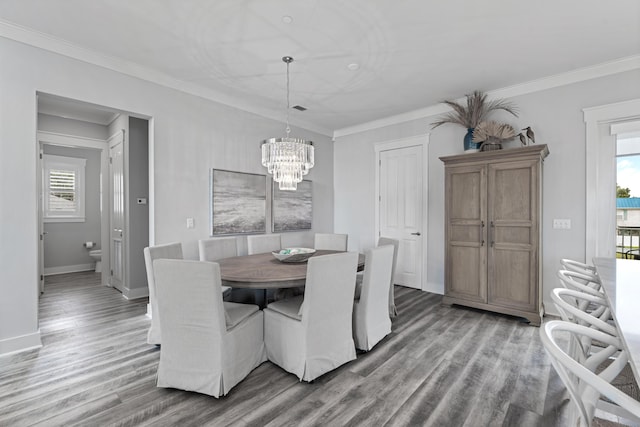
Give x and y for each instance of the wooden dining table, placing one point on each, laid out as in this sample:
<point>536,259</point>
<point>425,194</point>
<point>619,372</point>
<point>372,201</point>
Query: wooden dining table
<point>264,272</point>
<point>620,280</point>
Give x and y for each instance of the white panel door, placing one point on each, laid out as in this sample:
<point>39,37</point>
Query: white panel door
<point>117,229</point>
<point>401,210</point>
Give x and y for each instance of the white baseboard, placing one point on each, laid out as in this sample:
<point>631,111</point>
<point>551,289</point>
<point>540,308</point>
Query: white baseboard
<point>135,293</point>
<point>49,271</point>
<point>18,344</point>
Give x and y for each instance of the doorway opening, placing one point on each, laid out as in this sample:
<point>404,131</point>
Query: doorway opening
<point>77,130</point>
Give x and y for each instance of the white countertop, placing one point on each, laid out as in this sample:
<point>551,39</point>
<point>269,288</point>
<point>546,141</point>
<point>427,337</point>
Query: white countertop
<point>621,282</point>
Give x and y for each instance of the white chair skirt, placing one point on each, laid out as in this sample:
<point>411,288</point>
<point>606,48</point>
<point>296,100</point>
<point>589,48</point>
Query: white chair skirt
<point>281,332</point>
<point>240,353</point>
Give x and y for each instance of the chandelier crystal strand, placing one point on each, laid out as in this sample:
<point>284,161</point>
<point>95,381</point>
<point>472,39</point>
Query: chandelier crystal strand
<point>287,159</point>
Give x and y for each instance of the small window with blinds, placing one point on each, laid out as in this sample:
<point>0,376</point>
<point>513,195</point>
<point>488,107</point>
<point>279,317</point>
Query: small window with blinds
<point>63,188</point>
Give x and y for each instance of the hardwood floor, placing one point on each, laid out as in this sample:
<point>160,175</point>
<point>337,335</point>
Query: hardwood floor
<point>441,366</point>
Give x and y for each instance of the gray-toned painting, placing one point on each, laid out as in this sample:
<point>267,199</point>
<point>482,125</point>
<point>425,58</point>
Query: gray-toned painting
<point>238,202</point>
<point>293,210</point>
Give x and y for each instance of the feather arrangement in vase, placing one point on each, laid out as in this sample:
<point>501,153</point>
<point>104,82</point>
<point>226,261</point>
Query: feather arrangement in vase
<point>472,113</point>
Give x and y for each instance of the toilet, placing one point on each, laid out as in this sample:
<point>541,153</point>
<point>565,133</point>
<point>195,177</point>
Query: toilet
<point>96,254</point>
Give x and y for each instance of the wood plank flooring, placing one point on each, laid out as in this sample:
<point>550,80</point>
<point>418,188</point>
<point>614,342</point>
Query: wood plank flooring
<point>441,366</point>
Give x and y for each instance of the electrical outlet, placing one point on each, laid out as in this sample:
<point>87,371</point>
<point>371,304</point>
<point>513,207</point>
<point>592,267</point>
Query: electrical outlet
<point>190,223</point>
<point>562,224</point>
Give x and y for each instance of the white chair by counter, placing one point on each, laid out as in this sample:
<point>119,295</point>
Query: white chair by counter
<point>371,320</point>
<point>571,305</point>
<point>594,312</point>
<point>152,253</point>
<point>582,283</point>
<point>312,334</point>
<point>331,242</point>
<point>579,267</point>
<point>585,387</point>
<point>218,248</point>
<point>263,243</point>
<point>208,346</point>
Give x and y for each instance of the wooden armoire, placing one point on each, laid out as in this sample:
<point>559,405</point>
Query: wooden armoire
<point>493,209</point>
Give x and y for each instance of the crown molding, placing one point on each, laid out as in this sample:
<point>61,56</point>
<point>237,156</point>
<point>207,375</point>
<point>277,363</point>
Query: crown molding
<point>49,43</point>
<point>575,76</point>
<point>46,42</point>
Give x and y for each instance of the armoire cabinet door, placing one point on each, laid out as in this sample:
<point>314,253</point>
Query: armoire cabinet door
<point>512,192</point>
<point>466,265</point>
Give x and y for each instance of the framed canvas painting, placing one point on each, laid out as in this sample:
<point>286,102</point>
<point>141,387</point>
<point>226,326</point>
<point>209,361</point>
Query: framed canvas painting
<point>238,202</point>
<point>292,210</point>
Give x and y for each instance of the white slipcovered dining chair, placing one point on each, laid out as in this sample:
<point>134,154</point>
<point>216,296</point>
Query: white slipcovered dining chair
<point>218,248</point>
<point>371,321</point>
<point>208,346</point>
<point>331,242</point>
<point>262,243</point>
<point>311,334</point>
<point>152,253</point>
<point>585,387</point>
<point>382,241</point>
<point>393,311</point>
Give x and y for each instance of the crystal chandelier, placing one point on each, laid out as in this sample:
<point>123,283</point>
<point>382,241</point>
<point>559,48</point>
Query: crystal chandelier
<point>287,159</point>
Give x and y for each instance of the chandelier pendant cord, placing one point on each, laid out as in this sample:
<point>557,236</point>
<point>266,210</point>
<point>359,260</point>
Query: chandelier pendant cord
<point>288,60</point>
<point>287,159</point>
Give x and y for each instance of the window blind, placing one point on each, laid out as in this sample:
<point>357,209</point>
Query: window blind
<point>62,190</point>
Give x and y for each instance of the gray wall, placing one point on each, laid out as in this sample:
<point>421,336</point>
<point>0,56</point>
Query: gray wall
<point>557,118</point>
<point>190,136</point>
<point>138,188</point>
<point>63,243</point>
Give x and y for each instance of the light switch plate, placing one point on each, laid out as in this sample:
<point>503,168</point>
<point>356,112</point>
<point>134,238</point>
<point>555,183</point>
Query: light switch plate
<point>562,224</point>
<point>190,223</point>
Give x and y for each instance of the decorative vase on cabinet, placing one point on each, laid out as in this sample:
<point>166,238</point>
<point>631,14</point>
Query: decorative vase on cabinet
<point>493,205</point>
<point>469,145</point>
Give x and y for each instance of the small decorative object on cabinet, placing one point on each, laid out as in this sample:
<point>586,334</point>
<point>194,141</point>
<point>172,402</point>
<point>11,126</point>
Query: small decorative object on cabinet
<point>493,209</point>
<point>492,134</point>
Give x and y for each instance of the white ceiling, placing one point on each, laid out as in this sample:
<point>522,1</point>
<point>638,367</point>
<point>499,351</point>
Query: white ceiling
<point>411,54</point>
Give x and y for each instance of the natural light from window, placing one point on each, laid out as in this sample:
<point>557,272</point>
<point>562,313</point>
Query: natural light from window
<point>63,188</point>
<point>628,196</point>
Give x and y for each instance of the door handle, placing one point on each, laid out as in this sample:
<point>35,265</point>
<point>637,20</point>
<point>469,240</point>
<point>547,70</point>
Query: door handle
<point>417,233</point>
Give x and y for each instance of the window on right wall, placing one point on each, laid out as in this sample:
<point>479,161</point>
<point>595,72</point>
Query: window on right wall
<point>64,184</point>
